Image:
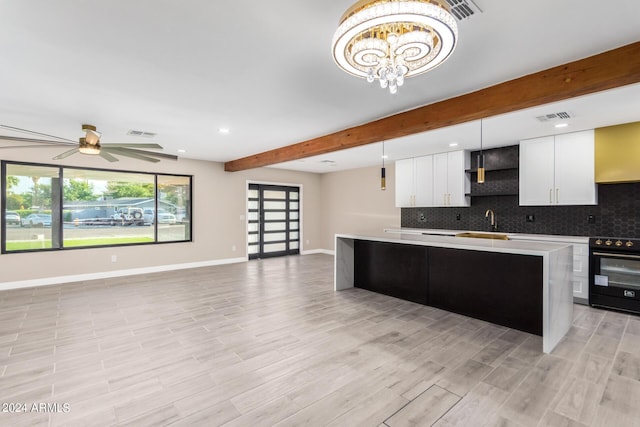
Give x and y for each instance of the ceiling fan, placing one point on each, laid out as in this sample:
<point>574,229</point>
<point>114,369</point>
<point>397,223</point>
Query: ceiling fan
<point>89,144</point>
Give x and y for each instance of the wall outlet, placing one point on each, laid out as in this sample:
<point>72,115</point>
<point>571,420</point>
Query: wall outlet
<point>233,248</point>
<point>421,217</point>
<point>307,241</point>
<point>114,258</point>
<point>457,217</point>
<point>591,219</point>
<point>530,218</point>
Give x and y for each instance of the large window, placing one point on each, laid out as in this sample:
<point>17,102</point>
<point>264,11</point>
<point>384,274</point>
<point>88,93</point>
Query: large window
<point>51,207</point>
<point>174,207</point>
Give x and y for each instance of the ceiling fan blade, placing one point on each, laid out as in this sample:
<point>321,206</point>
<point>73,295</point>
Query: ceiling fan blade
<point>147,153</point>
<point>39,141</point>
<point>21,146</point>
<point>130,153</point>
<point>34,132</point>
<point>66,154</point>
<point>131,145</point>
<point>107,156</point>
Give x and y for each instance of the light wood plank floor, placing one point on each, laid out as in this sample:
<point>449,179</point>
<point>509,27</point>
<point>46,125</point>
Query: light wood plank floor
<point>270,343</point>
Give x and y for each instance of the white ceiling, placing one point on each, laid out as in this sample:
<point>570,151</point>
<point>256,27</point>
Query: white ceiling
<point>184,69</point>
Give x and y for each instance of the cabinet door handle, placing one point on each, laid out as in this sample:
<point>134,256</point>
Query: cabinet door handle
<point>557,195</point>
<point>551,195</point>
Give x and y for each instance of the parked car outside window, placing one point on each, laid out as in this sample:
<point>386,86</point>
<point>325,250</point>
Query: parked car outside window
<point>36,220</point>
<point>164,217</point>
<point>128,216</point>
<point>11,218</point>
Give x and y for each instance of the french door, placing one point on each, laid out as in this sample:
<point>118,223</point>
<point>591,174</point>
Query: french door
<point>274,220</point>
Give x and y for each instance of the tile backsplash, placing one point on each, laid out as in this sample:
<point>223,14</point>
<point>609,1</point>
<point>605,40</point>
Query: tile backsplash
<point>616,215</point>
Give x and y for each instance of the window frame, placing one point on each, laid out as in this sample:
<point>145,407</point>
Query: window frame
<point>58,210</point>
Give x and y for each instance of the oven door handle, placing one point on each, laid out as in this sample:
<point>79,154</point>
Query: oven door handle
<point>616,255</point>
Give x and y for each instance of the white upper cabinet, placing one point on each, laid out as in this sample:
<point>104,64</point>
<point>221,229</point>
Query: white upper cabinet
<point>413,182</point>
<point>440,178</point>
<point>405,183</point>
<point>575,169</point>
<point>536,171</point>
<point>558,170</point>
<point>451,183</point>
<point>424,176</point>
<point>435,180</point>
<point>458,181</point>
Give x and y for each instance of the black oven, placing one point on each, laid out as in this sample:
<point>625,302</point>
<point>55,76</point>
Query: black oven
<point>614,273</point>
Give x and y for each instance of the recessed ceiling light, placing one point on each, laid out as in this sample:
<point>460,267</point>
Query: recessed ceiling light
<point>180,150</point>
<point>453,144</point>
<point>385,157</point>
<point>224,130</point>
<point>561,125</point>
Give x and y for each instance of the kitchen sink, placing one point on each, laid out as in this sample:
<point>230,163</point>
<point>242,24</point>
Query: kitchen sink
<point>475,235</point>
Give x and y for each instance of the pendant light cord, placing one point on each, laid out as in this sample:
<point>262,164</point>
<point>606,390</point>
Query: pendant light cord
<point>480,167</point>
<point>383,173</point>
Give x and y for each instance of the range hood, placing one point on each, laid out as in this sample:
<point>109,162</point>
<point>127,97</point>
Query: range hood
<point>617,154</point>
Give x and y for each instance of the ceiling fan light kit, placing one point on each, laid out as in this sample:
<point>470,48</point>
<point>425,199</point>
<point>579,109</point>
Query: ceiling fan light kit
<point>390,40</point>
<point>92,137</point>
<point>87,147</point>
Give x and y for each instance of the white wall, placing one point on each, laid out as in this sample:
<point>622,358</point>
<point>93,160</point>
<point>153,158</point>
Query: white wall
<point>352,202</point>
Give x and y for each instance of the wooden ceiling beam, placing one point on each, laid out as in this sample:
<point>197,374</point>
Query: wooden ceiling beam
<point>608,70</point>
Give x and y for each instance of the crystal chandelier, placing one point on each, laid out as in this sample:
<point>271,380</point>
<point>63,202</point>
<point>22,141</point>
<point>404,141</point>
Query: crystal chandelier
<point>390,40</point>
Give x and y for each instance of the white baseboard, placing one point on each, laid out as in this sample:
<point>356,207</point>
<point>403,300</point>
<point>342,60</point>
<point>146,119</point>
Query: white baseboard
<point>116,273</point>
<point>317,251</point>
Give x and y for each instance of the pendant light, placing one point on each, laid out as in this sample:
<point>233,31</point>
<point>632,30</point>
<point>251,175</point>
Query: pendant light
<point>481,159</point>
<point>383,172</point>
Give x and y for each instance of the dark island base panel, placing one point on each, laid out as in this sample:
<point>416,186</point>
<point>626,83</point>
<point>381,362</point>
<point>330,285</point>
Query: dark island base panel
<point>392,269</point>
<point>503,289</point>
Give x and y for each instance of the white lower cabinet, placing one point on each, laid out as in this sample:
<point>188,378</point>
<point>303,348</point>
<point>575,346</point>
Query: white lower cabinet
<point>580,277</point>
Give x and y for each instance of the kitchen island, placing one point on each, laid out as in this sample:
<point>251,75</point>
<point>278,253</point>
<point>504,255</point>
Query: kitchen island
<point>520,284</point>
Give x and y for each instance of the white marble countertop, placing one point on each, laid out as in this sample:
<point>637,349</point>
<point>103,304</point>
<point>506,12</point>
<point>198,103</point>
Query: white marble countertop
<point>523,247</point>
<point>512,236</point>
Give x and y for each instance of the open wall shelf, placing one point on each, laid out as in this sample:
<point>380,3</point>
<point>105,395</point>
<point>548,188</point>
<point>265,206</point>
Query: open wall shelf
<point>501,172</point>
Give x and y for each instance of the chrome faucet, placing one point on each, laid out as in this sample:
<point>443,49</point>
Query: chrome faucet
<point>494,223</point>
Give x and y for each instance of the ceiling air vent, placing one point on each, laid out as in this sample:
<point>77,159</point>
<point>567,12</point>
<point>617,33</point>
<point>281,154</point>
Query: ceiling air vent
<point>463,9</point>
<point>141,133</point>
<point>562,115</point>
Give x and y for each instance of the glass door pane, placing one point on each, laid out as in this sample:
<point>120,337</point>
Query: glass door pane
<point>253,218</point>
<point>273,212</point>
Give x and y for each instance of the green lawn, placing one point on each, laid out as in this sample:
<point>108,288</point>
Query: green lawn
<point>71,243</point>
